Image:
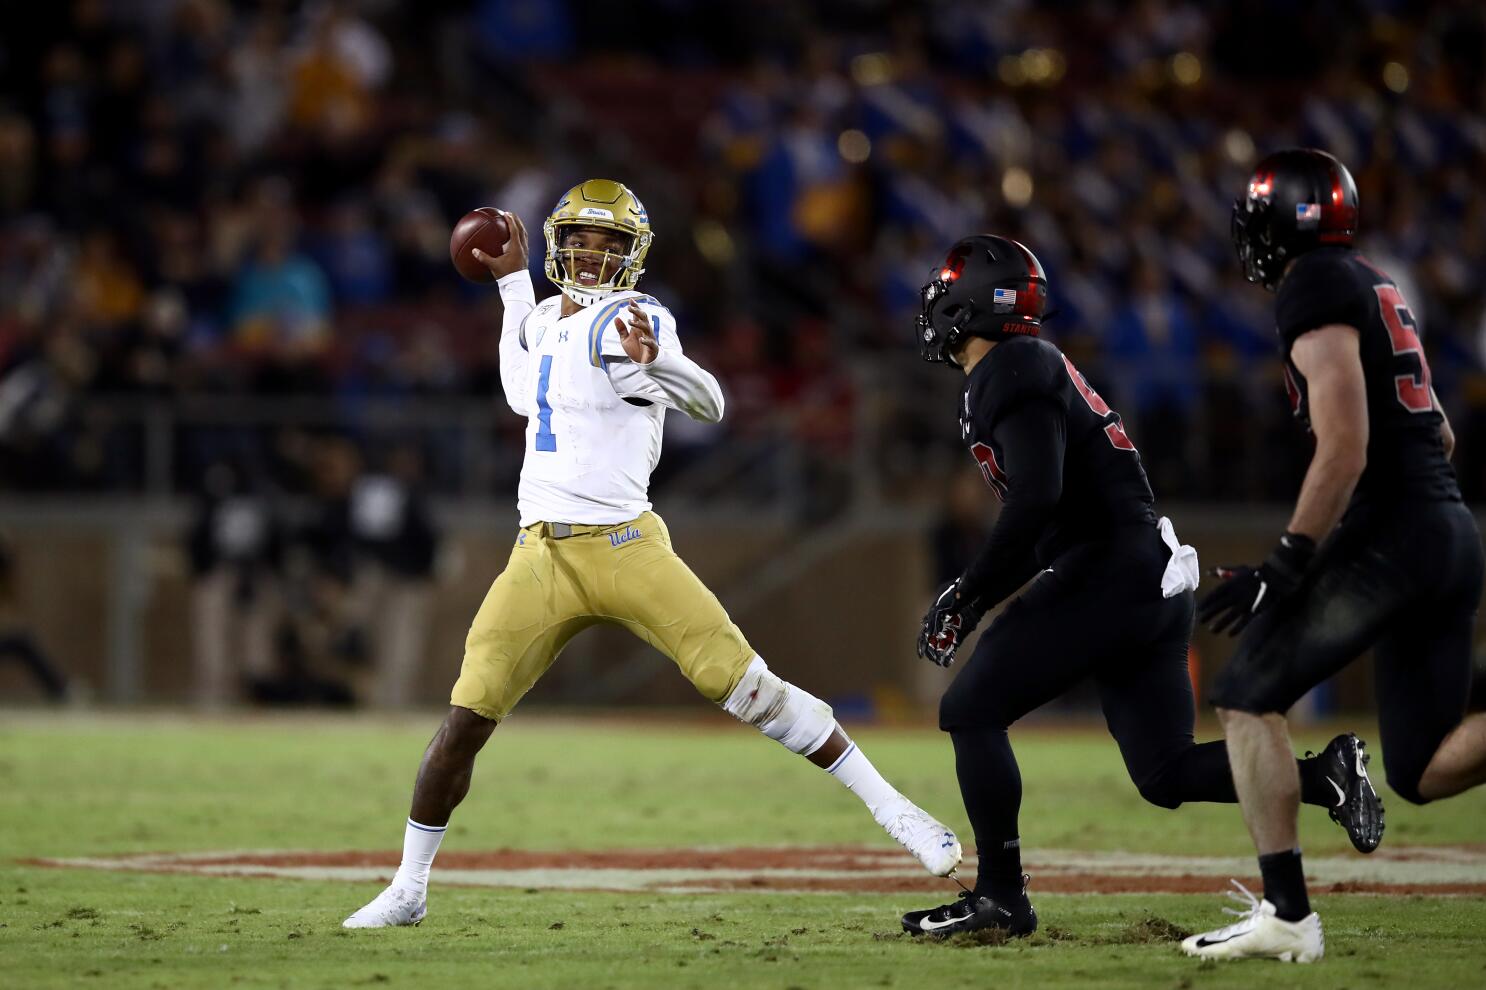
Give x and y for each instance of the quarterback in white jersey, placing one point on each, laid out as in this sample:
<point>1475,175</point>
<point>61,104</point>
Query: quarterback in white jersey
<point>595,416</point>
<point>593,371</point>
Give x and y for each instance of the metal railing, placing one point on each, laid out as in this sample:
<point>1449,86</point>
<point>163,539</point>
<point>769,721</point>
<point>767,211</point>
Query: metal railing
<point>893,438</point>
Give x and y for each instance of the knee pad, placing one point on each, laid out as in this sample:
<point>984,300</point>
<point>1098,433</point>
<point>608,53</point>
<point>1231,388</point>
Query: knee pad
<point>1250,695</point>
<point>1159,791</point>
<point>1405,783</point>
<point>795,719</point>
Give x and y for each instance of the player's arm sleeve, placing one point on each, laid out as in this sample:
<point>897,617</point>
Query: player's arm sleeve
<point>519,299</point>
<point>672,379</point>
<point>685,385</point>
<point>1031,437</point>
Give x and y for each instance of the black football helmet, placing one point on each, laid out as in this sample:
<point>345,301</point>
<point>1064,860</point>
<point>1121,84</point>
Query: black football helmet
<point>989,286</point>
<point>1297,200</point>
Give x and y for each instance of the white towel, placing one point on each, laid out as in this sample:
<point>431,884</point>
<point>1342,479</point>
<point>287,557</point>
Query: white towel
<point>1181,573</point>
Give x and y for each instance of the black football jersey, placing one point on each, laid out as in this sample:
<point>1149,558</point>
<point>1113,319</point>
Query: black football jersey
<point>1405,453</point>
<point>1103,481</point>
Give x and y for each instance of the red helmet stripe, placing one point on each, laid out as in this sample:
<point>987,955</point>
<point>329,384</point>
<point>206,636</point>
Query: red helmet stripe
<point>1028,301</point>
<point>1034,270</point>
<point>1338,217</point>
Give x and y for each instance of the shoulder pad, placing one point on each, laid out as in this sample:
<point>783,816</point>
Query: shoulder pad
<point>645,300</point>
<point>665,322</point>
<point>1324,287</point>
<point>1023,368</point>
<point>1017,371</point>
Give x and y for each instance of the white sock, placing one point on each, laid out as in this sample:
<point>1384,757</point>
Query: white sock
<point>419,844</point>
<point>854,770</point>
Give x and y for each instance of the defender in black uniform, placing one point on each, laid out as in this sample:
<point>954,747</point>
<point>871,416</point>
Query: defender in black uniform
<point>1402,572</point>
<point>1113,600</point>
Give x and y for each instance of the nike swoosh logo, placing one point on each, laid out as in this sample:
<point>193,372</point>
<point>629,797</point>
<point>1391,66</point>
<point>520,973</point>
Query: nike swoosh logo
<point>930,926</point>
<point>1204,941</point>
<point>1341,796</point>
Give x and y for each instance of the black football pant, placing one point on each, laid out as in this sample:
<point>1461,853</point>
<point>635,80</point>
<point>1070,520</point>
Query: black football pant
<point>1097,612</point>
<point>1405,579</point>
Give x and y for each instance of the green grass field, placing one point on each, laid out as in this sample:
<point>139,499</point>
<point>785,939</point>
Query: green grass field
<point>96,785</point>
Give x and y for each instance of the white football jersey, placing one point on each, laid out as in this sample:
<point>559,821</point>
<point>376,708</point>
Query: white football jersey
<point>589,453</point>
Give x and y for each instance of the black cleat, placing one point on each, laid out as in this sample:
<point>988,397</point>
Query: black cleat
<point>972,913</point>
<point>1358,809</point>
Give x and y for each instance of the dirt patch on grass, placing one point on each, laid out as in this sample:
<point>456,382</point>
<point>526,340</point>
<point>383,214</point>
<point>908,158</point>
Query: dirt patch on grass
<point>1145,931</point>
<point>1420,870</point>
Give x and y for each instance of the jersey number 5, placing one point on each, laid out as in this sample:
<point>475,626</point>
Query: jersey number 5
<point>1412,388</point>
<point>1112,429</point>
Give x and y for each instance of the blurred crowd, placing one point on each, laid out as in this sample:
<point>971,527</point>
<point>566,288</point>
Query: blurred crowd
<point>221,206</point>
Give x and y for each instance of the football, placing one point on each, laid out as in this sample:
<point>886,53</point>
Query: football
<point>484,228</point>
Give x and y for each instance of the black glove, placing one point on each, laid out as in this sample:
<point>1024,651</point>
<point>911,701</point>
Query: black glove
<point>1247,591</point>
<point>949,620</point>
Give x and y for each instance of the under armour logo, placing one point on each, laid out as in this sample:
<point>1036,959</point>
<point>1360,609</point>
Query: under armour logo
<point>562,337</point>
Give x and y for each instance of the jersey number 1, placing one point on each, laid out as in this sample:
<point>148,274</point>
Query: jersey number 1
<point>545,438</point>
<point>1413,388</point>
<point>1112,429</point>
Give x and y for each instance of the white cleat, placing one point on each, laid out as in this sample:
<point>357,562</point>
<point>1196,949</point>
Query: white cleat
<point>931,843</point>
<point>393,906</point>
<point>1260,935</point>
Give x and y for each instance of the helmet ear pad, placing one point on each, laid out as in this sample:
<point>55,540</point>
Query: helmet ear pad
<point>959,316</point>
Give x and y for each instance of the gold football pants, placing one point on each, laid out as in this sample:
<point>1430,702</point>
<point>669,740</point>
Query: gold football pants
<point>553,588</point>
